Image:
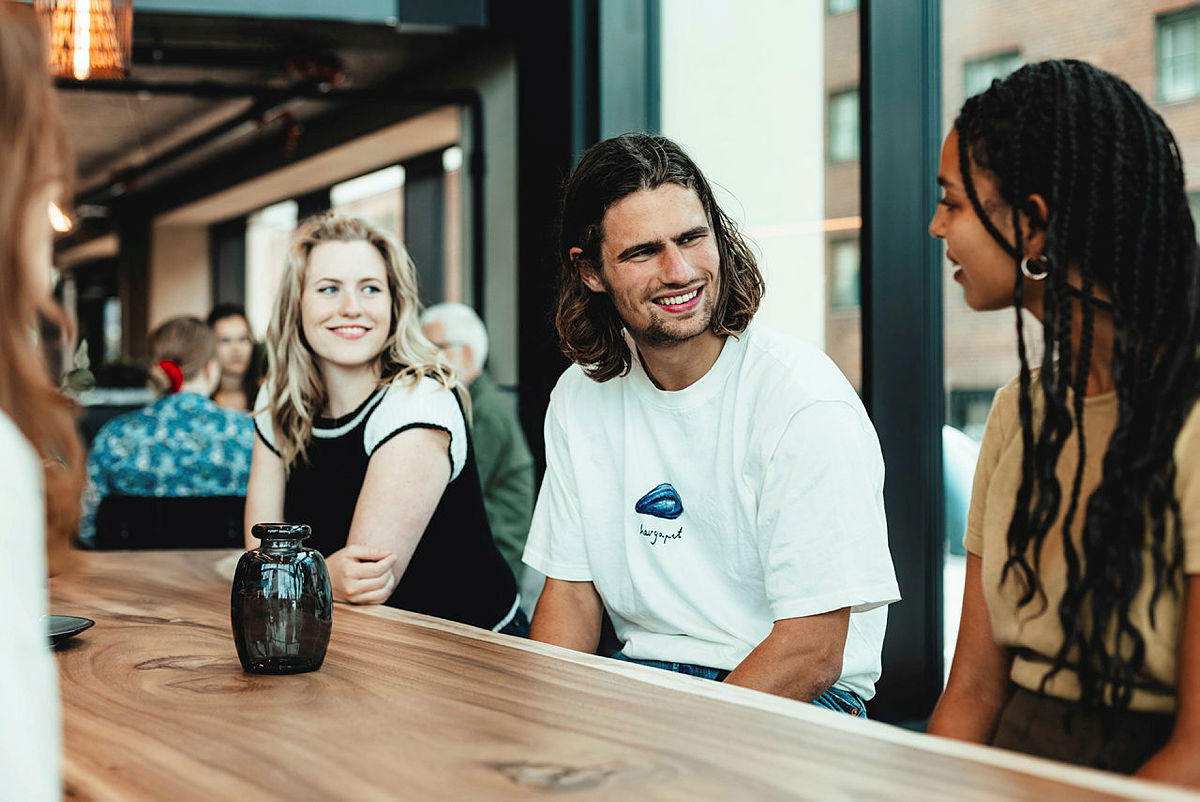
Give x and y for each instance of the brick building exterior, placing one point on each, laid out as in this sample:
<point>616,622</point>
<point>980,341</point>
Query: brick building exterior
<point>1122,36</point>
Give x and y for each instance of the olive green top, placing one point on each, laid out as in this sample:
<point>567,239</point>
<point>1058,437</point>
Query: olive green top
<point>505,469</point>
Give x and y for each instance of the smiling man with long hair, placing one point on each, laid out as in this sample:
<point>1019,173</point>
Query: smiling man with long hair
<point>715,486</point>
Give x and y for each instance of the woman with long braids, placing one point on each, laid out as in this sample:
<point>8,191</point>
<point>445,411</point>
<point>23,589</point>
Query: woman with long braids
<point>1080,632</point>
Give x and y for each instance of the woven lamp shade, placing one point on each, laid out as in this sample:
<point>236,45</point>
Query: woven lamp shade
<point>88,38</point>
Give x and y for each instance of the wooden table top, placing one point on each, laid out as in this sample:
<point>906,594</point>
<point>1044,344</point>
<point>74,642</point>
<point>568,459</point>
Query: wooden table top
<point>156,706</point>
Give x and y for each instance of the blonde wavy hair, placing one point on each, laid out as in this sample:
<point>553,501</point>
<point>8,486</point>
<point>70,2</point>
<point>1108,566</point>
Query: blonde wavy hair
<point>297,389</point>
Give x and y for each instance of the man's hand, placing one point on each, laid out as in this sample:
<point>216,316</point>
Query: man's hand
<point>800,659</point>
<point>362,574</point>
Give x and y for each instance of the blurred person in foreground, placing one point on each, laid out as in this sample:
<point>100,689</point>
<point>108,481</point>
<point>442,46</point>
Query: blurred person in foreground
<point>181,446</point>
<point>41,473</point>
<point>504,460</point>
<point>237,357</point>
<point>1063,194</point>
<point>713,484</point>
<point>363,437</point>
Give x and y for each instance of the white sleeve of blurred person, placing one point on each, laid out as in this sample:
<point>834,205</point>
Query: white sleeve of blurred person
<point>29,723</point>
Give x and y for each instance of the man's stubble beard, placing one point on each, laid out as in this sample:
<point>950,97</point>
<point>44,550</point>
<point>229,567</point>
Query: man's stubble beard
<point>658,335</point>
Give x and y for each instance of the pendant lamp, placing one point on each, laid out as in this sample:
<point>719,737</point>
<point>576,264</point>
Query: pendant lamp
<point>89,39</point>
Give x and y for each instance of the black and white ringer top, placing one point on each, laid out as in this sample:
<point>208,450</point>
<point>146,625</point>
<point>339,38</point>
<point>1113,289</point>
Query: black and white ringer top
<point>456,572</point>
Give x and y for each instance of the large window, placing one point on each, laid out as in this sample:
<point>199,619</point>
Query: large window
<point>979,73</point>
<point>1179,55</point>
<point>843,126</point>
<point>376,197</point>
<point>267,234</point>
<point>791,200</point>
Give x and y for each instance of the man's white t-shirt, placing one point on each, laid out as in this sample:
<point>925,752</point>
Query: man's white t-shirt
<point>704,515</point>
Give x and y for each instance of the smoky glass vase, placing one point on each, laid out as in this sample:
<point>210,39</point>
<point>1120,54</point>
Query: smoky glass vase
<point>282,603</point>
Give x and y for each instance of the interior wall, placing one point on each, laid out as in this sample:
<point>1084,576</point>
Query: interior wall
<point>180,282</point>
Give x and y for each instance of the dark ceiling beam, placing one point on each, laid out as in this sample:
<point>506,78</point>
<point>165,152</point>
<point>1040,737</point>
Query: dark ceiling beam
<point>270,107</point>
<point>258,116</point>
<point>270,151</point>
<point>424,14</point>
<point>161,55</point>
<point>307,90</point>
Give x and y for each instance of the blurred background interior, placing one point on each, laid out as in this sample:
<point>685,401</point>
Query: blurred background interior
<point>451,123</point>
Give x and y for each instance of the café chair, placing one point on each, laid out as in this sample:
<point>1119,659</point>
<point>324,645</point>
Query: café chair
<point>151,522</point>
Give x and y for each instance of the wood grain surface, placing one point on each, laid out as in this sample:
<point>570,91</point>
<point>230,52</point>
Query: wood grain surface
<point>156,706</point>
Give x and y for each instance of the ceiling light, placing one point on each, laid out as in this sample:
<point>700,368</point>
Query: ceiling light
<point>88,38</point>
<point>59,221</point>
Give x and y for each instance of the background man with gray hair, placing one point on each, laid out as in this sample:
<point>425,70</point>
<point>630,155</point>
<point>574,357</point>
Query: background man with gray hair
<point>504,459</point>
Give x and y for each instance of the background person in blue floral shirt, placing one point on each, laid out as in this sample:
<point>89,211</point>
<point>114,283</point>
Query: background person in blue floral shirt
<point>183,444</point>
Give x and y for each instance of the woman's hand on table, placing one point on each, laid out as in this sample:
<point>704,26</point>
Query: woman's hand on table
<point>361,574</point>
<point>1174,763</point>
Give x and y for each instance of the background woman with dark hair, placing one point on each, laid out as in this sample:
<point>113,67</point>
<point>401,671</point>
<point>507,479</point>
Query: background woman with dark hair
<point>1080,633</point>
<point>42,470</point>
<point>237,355</point>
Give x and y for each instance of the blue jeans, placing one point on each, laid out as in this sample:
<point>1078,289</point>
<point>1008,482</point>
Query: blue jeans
<point>835,699</point>
<point>703,672</point>
<point>517,627</point>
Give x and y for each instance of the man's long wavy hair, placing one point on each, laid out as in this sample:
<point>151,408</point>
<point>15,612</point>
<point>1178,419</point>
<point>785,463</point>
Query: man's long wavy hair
<point>589,328</point>
<point>297,389</point>
<point>35,154</point>
<point>1111,175</point>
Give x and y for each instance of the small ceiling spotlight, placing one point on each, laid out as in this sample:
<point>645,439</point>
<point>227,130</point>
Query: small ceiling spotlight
<point>58,219</point>
<point>88,38</point>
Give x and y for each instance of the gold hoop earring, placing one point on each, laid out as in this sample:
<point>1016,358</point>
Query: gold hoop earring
<point>1039,275</point>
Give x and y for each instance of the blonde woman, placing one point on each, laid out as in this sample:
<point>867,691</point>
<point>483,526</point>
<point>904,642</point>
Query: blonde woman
<point>362,436</point>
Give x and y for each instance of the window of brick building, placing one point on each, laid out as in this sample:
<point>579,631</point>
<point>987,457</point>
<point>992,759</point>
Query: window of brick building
<point>843,126</point>
<point>843,274</point>
<point>1179,55</point>
<point>979,73</point>
<point>841,6</point>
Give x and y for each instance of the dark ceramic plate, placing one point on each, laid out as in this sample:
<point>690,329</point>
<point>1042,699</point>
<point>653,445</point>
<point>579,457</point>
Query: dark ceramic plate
<point>62,627</point>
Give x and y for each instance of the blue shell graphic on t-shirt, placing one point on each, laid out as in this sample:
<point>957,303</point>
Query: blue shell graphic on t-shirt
<point>661,502</point>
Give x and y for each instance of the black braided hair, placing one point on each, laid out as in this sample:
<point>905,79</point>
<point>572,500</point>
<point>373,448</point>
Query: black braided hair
<point>1111,175</point>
